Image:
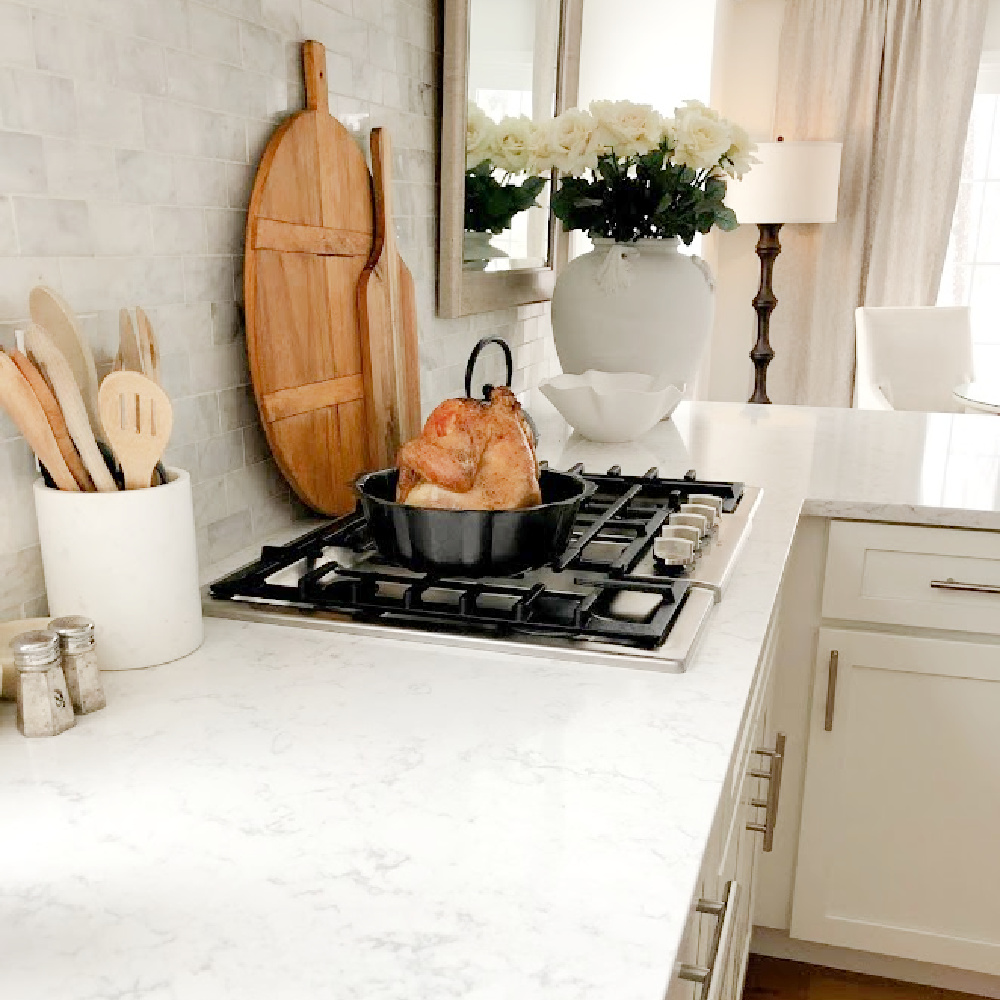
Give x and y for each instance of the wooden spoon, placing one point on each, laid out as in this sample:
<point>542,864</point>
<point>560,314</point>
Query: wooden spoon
<point>54,415</point>
<point>51,312</point>
<point>25,410</point>
<point>149,346</point>
<point>138,418</point>
<point>129,346</point>
<point>56,369</point>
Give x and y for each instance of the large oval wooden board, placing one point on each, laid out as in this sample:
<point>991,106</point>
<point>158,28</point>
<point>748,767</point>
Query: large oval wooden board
<point>309,238</point>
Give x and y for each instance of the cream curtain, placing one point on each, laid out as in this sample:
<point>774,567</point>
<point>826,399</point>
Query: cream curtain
<point>893,80</point>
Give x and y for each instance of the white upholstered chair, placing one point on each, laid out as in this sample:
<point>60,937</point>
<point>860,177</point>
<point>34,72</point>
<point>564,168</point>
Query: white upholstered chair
<point>910,358</point>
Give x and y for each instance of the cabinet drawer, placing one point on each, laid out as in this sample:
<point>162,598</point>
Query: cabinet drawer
<point>717,935</point>
<point>946,578</point>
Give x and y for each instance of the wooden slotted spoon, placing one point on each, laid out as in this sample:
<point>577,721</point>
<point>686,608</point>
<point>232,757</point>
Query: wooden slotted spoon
<point>137,418</point>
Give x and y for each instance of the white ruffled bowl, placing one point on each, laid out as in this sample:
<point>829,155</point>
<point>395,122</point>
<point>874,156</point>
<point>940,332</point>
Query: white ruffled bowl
<point>612,407</point>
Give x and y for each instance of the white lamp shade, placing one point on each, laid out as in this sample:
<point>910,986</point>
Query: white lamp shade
<point>794,182</point>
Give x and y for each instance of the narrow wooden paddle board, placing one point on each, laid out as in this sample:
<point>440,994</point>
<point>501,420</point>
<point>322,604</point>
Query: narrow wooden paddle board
<point>387,306</point>
<point>309,237</point>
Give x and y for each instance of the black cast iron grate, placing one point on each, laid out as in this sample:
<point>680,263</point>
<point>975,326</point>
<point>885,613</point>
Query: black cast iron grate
<point>587,593</point>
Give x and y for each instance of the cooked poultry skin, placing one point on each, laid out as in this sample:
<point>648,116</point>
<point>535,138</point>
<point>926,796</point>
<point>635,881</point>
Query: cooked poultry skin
<point>471,456</point>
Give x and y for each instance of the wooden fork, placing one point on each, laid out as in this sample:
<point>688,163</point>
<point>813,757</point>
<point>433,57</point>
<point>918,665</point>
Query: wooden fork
<point>137,418</point>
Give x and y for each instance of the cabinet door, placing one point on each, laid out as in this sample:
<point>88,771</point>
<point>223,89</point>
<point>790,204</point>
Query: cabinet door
<point>898,846</point>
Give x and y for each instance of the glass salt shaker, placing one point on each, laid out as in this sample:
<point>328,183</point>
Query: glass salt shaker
<point>79,662</point>
<point>43,704</point>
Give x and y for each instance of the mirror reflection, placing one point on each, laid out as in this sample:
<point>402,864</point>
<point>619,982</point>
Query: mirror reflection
<point>513,54</point>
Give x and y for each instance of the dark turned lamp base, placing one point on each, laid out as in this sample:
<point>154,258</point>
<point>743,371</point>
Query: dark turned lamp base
<point>764,302</point>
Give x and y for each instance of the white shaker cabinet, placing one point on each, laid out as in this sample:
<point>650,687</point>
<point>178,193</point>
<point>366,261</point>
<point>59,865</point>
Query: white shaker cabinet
<point>898,847</point>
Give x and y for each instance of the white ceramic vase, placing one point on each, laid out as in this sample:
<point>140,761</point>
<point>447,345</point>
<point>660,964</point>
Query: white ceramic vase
<point>477,251</point>
<point>634,307</point>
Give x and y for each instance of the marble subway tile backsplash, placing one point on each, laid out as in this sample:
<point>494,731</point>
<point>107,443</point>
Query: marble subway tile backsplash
<point>130,131</point>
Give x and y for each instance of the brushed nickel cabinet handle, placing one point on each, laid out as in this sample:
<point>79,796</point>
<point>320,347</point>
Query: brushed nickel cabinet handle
<point>711,985</point>
<point>831,690</point>
<point>972,588</point>
<point>770,804</point>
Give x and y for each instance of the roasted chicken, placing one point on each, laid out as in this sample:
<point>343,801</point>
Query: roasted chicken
<point>472,456</point>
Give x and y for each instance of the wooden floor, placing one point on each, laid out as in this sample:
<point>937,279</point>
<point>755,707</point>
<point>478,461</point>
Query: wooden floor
<point>777,979</point>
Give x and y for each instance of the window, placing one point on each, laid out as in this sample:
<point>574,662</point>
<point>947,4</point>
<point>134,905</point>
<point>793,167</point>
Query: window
<point>971,273</point>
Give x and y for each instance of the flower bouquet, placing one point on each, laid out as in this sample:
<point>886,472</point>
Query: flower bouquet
<point>639,184</point>
<point>629,173</point>
<point>496,154</point>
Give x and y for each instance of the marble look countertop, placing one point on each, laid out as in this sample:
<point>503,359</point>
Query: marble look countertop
<point>302,814</point>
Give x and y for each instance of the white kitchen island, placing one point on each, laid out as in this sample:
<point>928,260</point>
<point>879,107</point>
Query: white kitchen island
<point>299,814</point>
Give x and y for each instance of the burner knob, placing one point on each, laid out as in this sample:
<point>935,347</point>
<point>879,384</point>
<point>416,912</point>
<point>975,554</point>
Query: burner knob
<point>709,513</point>
<point>698,521</point>
<point>686,531</point>
<point>708,499</point>
<point>674,551</point>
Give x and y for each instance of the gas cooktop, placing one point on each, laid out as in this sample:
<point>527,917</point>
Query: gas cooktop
<point>647,559</point>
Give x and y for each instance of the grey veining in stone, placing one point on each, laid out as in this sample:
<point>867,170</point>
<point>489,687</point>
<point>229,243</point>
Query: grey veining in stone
<point>291,813</point>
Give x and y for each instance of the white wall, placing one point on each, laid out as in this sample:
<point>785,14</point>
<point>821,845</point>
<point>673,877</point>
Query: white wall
<point>655,52</point>
<point>130,131</point>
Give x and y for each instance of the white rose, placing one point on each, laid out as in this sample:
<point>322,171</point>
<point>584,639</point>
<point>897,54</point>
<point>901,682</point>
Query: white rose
<point>668,131</point>
<point>702,137</point>
<point>570,139</point>
<point>478,136</point>
<point>509,146</point>
<point>540,150</point>
<point>628,129</point>
<point>696,107</point>
<point>739,156</point>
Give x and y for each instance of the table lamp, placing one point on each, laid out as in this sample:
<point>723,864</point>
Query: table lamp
<point>793,182</point>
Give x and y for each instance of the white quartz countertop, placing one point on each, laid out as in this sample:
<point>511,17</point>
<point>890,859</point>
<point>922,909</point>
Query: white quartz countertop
<point>298,814</point>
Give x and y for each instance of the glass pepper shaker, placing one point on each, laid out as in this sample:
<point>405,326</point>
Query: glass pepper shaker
<point>79,662</point>
<point>43,704</point>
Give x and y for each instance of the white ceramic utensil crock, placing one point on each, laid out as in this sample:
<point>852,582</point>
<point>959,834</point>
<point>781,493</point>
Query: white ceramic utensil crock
<point>612,407</point>
<point>128,561</point>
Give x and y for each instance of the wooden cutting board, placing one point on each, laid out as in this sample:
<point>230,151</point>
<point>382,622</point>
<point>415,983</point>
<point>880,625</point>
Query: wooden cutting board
<point>387,307</point>
<point>309,237</point>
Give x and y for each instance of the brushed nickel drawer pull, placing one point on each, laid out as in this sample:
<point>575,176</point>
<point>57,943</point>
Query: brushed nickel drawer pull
<point>722,939</point>
<point>972,588</point>
<point>831,690</point>
<point>770,804</point>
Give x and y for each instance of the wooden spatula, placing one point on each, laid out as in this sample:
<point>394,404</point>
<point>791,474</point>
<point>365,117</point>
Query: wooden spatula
<point>138,418</point>
<point>148,345</point>
<point>53,413</point>
<point>24,409</point>
<point>55,367</point>
<point>50,311</point>
<point>129,348</point>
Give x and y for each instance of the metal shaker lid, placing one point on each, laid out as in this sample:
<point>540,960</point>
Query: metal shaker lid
<point>76,633</point>
<point>35,650</point>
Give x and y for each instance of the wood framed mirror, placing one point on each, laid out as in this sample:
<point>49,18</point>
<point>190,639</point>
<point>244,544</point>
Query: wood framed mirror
<point>509,58</point>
